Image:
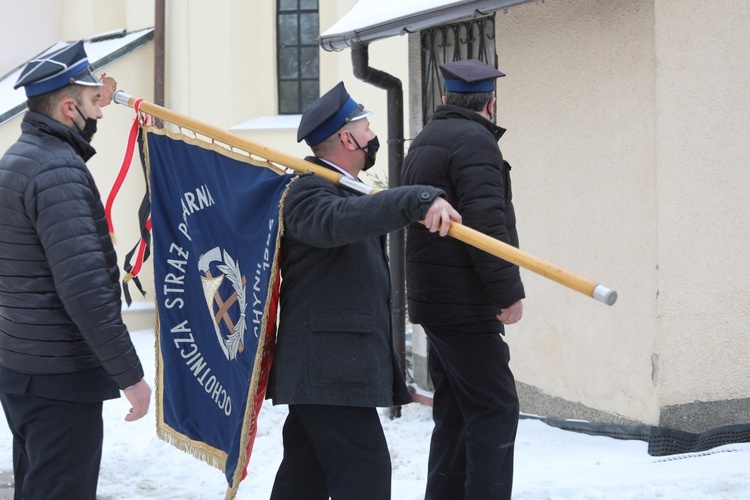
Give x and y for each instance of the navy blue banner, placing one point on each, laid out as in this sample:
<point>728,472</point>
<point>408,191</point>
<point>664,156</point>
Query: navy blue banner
<point>215,223</point>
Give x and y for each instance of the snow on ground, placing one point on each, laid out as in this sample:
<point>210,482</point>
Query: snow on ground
<point>550,463</point>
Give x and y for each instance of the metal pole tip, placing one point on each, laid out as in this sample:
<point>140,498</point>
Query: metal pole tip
<point>605,294</point>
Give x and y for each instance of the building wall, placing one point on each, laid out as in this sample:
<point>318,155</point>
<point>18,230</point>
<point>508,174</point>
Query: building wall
<point>27,28</point>
<point>85,18</point>
<point>19,23</point>
<point>702,185</point>
<point>626,124</point>
<point>579,105</point>
<point>221,69</point>
<point>211,47</point>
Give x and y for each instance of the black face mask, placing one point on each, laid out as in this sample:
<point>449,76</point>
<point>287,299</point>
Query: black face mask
<point>371,152</point>
<point>89,127</point>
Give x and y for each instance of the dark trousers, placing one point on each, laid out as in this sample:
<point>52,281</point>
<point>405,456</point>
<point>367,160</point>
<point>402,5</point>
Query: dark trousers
<point>333,451</point>
<point>57,447</point>
<point>475,410</point>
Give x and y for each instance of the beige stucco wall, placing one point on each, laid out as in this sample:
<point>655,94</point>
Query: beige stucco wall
<point>85,18</point>
<point>579,105</point>
<point>221,68</point>
<point>23,33</point>
<point>211,68</point>
<point>703,181</point>
<point>626,123</point>
<point>31,26</point>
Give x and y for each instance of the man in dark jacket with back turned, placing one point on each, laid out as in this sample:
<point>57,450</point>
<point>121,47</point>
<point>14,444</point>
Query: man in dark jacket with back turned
<point>334,361</point>
<point>63,346</point>
<point>463,296</point>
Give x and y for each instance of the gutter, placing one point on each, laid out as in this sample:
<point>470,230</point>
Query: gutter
<point>412,23</point>
<point>159,50</point>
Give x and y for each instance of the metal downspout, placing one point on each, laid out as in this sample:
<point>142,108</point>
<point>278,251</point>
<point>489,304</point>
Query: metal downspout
<point>159,50</point>
<point>396,239</point>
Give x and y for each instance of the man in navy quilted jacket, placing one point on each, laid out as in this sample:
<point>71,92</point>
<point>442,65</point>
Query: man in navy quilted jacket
<point>63,346</point>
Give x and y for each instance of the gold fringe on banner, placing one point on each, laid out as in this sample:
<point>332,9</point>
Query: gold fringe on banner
<point>266,342</point>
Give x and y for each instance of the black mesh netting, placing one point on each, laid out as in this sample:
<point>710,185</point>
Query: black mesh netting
<point>671,441</point>
<point>661,441</point>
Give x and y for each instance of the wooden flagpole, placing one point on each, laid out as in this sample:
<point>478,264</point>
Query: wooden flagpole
<point>459,231</point>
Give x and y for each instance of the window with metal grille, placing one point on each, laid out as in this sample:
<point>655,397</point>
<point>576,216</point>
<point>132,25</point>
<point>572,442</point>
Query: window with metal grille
<point>473,39</point>
<point>298,57</point>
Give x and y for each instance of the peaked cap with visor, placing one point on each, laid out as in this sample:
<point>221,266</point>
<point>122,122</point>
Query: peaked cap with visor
<point>328,114</point>
<point>469,76</point>
<point>54,70</point>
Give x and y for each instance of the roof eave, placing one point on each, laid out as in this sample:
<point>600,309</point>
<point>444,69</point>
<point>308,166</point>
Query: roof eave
<point>414,23</point>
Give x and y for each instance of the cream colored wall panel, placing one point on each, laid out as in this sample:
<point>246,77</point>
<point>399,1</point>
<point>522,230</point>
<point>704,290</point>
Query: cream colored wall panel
<point>24,33</point>
<point>84,18</point>
<point>252,53</point>
<point>703,184</point>
<point>579,106</point>
<point>139,14</point>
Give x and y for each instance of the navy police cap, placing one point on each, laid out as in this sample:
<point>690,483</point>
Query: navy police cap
<point>56,69</point>
<point>328,114</point>
<point>470,75</point>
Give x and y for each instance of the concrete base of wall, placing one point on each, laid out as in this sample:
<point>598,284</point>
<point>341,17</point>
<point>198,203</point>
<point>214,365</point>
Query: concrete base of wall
<point>536,402</point>
<point>703,416</point>
<point>695,417</point>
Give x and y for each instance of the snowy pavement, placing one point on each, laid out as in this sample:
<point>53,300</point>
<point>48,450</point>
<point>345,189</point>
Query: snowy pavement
<point>550,463</point>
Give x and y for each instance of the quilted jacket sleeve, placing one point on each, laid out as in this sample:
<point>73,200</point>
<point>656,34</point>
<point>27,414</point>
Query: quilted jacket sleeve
<point>65,207</point>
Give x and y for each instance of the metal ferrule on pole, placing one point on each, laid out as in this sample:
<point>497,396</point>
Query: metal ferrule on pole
<point>356,186</point>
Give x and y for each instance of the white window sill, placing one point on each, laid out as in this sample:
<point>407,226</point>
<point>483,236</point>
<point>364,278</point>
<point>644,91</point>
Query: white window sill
<point>279,122</point>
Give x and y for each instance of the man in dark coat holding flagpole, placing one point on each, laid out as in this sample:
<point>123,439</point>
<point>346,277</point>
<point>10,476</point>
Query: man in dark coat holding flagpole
<point>334,361</point>
<point>463,296</point>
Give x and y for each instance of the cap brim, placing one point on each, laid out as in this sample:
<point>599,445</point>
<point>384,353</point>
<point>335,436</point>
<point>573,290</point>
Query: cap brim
<point>358,115</point>
<point>86,78</point>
